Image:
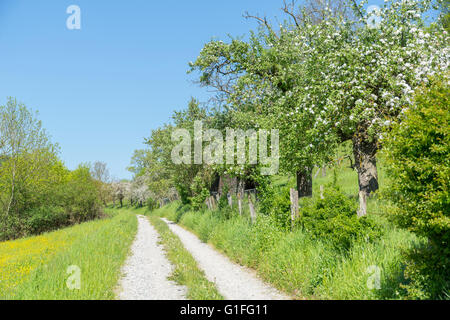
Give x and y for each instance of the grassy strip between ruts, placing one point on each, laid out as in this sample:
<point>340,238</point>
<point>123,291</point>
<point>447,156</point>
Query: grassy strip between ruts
<point>49,266</point>
<point>186,271</point>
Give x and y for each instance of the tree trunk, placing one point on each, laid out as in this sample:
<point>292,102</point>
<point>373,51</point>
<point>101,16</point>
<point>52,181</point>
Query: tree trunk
<point>366,166</point>
<point>304,183</point>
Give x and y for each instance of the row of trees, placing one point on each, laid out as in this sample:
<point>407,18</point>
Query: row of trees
<point>325,76</point>
<point>331,75</point>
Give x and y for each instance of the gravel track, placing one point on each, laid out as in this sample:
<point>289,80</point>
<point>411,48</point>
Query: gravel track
<point>146,270</point>
<point>234,282</point>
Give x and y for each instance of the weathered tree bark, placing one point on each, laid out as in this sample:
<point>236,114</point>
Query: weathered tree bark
<point>304,183</point>
<point>366,166</point>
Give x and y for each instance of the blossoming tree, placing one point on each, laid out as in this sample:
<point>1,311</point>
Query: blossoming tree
<point>342,78</point>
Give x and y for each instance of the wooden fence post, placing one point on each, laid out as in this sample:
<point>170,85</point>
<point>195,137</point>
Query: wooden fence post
<point>294,205</point>
<point>230,201</point>
<point>239,203</point>
<point>211,201</point>
<point>252,209</point>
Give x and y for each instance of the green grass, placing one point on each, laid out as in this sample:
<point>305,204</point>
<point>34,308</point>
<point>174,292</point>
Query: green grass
<point>300,266</point>
<point>186,271</point>
<point>345,177</point>
<point>303,267</point>
<point>97,248</point>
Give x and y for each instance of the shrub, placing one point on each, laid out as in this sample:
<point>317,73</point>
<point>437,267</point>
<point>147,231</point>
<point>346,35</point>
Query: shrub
<point>198,201</point>
<point>223,200</point>
<point>417,153</point>
<point>43,219</point>
<point>334,220</point>
<point>81,199</point>
<point>281,209</point>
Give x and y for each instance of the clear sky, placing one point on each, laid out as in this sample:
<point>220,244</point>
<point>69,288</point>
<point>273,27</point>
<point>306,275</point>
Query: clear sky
<point>101,89</point>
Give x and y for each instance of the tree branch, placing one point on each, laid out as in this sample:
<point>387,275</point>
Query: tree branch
<point>262,21</point>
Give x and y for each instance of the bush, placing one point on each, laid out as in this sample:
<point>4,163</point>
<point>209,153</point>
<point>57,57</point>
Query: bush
<point>198,201</point>
<point>281,209</point>
<point>223,199</point>
<point>417,153</point>
<point>334,220</point>
<point>44,219</point>
<point>81,199</point>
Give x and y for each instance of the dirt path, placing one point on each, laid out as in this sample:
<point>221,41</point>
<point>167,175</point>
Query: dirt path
<point>146,270</point>
<point>234,282</point>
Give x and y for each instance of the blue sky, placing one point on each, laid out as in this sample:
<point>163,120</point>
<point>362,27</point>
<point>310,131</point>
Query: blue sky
<point>100,90</point>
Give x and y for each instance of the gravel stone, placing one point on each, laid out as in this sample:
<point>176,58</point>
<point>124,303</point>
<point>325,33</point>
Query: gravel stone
<point>233,281</point>
<point>146,270</point>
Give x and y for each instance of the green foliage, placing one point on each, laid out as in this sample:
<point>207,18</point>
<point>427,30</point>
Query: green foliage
<point>37,192</point>
<point>427,277</point>
<point>81,199</point>
<point>151,204</point>
<point>200,193</point>
<point>334,220</point>
<point>223,199</point>
<point>281,208</point>
<point>46,218</point>
<point>417,153</point>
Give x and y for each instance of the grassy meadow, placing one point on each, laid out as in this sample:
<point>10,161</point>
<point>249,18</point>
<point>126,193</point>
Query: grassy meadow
<point>40,267</point>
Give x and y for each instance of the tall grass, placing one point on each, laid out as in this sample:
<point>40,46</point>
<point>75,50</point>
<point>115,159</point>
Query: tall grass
<point>303,267</point>
<point>97,248</point>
